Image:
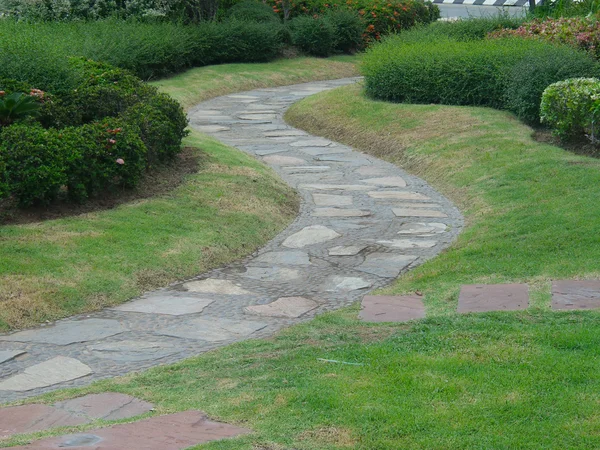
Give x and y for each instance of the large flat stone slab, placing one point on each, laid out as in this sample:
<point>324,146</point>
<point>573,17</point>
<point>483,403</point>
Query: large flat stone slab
<point>346,250</point>
<point>215,286</point>
<point>493,297</point>
<point>7,355</point>
<point>289,258</point>
<point>397,195</point>
<point>212,330</point>
<point>416,212</point>
<point>407,243</point>
<point>372,170</point>
<point>272,274</point>
<point>284,133</point>
<point>332,200</point>
<point>423,228</point>
<point>312,143</point>
<point>318,151</point>
<point>48,373</point>
<point>339,283</point>
<point>306,169</point>
<point>130,350</point>
<point>69,332</point>
<point>284,307</point>
<point>314,234</point>
<point>164,303</point>
<point>171,432</point>
<point>278,160</point>
<point>270,151</point>
<point>417,205</point>
<point>381,308</point>
<point>106,406</point>
<point>386,181</point>
<point>387,265</point>
<point>211,128</point>
<point>35,417</point>
<point>334,187</point>
<point>575,294</point>
<point>339,212</point>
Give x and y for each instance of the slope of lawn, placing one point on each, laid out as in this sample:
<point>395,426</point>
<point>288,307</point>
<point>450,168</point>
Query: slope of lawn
<point>515,380</point>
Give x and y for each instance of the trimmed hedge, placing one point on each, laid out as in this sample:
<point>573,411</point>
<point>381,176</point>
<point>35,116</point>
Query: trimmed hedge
<point>505,74</point>
<point>105,134</point>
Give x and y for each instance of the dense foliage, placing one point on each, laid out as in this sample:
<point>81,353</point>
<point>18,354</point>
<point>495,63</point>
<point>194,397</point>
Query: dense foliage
<point>101,134</point>
<point>502,73</point>
<point>572,108</point>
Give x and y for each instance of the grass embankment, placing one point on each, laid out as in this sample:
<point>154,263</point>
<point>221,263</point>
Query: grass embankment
<point>525,380</point>
<point>57,268</point>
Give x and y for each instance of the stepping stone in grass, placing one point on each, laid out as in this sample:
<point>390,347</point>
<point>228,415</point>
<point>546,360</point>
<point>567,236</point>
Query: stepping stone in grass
<point>493,297</point>
<point>105,406</point>
<point>314,234</point>
<point>386,181</point>
<point>166,303</point>
<point>171,432</point>
<point>48,373</point>
<point>332,200</point>
<point>575,295</point>
<point>284,307</point>
<point>69,332</point>
<point>416,212</point>
<point>381,308</point>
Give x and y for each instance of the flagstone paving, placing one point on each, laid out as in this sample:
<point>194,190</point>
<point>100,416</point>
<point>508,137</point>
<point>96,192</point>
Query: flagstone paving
<point>575,294</point>
<point>493,297</point>
<point>401,308</point>
<point>362,222</point>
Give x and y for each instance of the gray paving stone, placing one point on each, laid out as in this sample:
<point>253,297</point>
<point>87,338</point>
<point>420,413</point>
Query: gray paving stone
<point>348,158</point>
<point>275,274</point>
<point>261,117</point>
<point>215,286</point>
<point>340,212</point>
<point>407,243</point>
<point>398,195</point>
<point>345,284</point>
<point>349,250</point>
<point>166,303</point>
<point>417,205</point>
<point>314,234</point>
<point>386,181</point>
<point>69,332</point>
<point>270,151</point>
<point>372,170</point>
<point>7,355</point>
<point>243,97</point>
<point>417,212</point>
<point>207,112</point>
<point>386,264</point>
<point>493,297</point>
<point>285,133</point>
<point>290,258</point>
<point>132,350</point>
<point>334,187</point>
<point>54,371</point>
<point>332,200</point>
<point>278,160</point>
<point>304,169</point>
<point>380,308</point>
<point>423,228</point>
<point>317,151</point>
<point>312,143</point>
<point>212,330</point>
<point>284,307</point>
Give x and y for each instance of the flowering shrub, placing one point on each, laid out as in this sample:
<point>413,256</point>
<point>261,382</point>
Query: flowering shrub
<point>572,108</point>
<point>579,32</point>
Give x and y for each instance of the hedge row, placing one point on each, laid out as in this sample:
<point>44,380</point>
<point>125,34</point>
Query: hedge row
<point>505,73</point>
<point>105,134</point>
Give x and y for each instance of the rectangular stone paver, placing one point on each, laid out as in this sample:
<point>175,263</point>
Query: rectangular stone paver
<point>284,307</point>
<point>171,432</point>
<point>212,330</point>
<point>166,303</point>
<point>386,181</point>
<point>56,370</point>
<point>398,195</point>
<point>493,297</point>
<point>332,200</point>
<point>386,264</point>
<point>35,417</point>
<point>416,212</point>
<point>575,294</point>
<point>381,308</point>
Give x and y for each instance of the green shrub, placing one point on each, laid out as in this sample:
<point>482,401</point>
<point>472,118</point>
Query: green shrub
<point>313,35</point>
<point>348,29</point>
<point>571,108</point>
<point>527,79</point>
<point>253,11</point>
<point>235,41</point>
<point>471,29</point>
<point>481,73</point>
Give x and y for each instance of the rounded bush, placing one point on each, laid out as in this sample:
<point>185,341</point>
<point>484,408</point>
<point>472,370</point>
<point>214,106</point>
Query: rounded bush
<point>253,11</point>
<point>313,35</point>
<point>348,29</point>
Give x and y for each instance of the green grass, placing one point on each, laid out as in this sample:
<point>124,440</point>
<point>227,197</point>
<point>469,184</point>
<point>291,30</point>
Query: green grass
<point>515,380</point>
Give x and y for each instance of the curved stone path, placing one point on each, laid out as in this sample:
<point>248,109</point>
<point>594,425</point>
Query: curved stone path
<point>362,223</point>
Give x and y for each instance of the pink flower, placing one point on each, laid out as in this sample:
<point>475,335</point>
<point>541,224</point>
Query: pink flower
<point>112,141</point>
<point>120,161</point>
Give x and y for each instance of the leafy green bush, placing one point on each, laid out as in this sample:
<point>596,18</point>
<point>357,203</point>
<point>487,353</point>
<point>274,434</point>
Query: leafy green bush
<point>235,41</point>
<point>471,29</point>
<point>348,29</point>
<point>571,108</point>
<point>313,35</point>
<point>482,73</point>
<point>253,11</point>
<point>526,80</point>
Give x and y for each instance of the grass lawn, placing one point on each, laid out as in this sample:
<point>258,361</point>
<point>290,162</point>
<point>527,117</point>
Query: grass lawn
<point>57,268</point>
<point>517,380</point>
